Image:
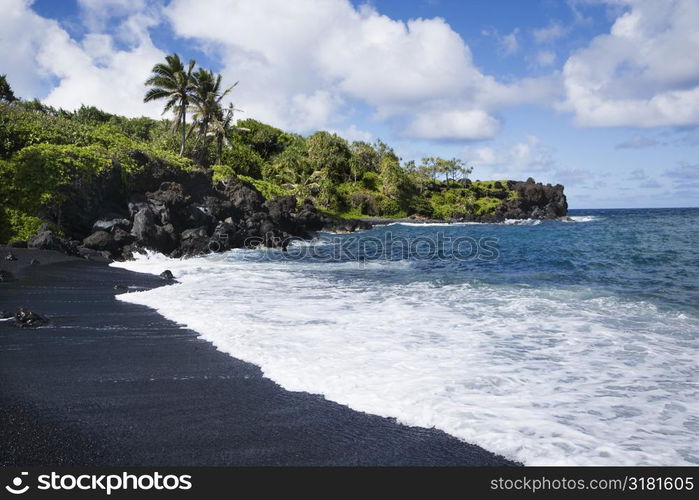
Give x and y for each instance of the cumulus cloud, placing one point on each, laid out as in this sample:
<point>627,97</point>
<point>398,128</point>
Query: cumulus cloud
<point>412,73</point>
<point>96,13</point>
<point>40,53</point>
<point>636,75</point>
<point>468,125</point>
<point>515,161</point>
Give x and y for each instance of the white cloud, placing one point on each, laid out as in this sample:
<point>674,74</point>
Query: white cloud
<point>352,133</point>
<point>550,33</point>
<point>526,158</point>
<point>509,44</point>
<point>409,72</point>
<point>465,125</point>
<point>96,13</point>
<point>37,51</point>
<point>638,74</point>
<point>545,58</point>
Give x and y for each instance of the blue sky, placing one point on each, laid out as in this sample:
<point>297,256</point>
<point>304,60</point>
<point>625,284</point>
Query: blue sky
<point>593,94</point>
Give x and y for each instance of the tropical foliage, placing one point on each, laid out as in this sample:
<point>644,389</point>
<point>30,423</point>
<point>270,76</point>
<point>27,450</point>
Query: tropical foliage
<point>46,154</point>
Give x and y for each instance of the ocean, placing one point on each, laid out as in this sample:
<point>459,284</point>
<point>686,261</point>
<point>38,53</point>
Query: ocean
<point>549,342</point>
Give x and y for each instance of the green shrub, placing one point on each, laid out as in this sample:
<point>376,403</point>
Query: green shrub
<point>43,171</point>
<point>17,225</point>
<point>370,180</point>
<point>268,189</point>
<point>243,159</point>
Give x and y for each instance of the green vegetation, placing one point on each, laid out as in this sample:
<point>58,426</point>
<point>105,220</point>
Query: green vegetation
<point>49,155</point>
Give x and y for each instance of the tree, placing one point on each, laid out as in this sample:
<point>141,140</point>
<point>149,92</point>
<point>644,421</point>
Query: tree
<point>6,93</point>
<point>293,171</point>
<point>330,153</point>
<point>172,82</point>
<point>221,127</point>
<point>450,169</point>
<point>364,159</point>
<point>266,140</point>
<point>208,117</point>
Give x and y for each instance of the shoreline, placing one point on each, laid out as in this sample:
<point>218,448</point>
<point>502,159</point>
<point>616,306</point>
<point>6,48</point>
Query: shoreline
<point>112,383</point>
<point>386,221</point>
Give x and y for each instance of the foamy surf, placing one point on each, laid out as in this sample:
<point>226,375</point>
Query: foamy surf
<point>544,376</point>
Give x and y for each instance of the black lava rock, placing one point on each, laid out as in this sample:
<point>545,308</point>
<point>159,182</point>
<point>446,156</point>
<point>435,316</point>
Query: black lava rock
<point>167,275</point>
<point>28,319</point>
<point>6,276</point>
<point>45,239</point>
<point>100,240</point>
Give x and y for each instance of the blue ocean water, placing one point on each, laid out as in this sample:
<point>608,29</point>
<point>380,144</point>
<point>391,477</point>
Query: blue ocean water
<point>550,342</point>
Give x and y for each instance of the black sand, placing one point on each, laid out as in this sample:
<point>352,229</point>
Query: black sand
<point>110,383</point>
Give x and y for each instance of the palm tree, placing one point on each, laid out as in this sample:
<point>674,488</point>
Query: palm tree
<point>209,118</point>
<point>171,81</point>
<point>221,127</point>
<point>206,100</point>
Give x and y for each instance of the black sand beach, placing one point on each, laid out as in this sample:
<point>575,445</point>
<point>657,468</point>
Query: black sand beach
<point>110,383</point>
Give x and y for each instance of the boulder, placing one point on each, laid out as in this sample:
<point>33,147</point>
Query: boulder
<point>121,237</point>
<point>218,208</point>
<point>91,254</point>
<point>195,241</point>
<point>136,203</point>
<point>198,216</point>
<point>6,276</point>
<point>100,240</point>
<point>27,319</point>
<point>45,239</point>
<point>149,234</point>
<point>167,275</point>
<point>17,244</point>
<point>197,184</point>
<point>111,225</point>
<point>168,203</point>
<point>243,196</point>
<point>227,235</point>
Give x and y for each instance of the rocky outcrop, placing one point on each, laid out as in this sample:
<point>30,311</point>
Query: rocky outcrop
<point>185,214</point>
<point>534,201</point>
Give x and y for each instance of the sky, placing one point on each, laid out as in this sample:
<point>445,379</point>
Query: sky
<point>601,96</point>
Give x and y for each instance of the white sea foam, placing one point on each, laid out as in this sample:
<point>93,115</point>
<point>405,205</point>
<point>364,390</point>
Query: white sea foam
<point>432,224</point>
<point>584,218</point>
<point>523,222</point>
<point>545,376</point>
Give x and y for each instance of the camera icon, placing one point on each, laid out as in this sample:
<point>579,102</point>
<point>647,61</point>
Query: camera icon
<point>16,487</point>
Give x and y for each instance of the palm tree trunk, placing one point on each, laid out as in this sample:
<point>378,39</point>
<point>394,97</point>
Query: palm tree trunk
<point>184,131</point>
